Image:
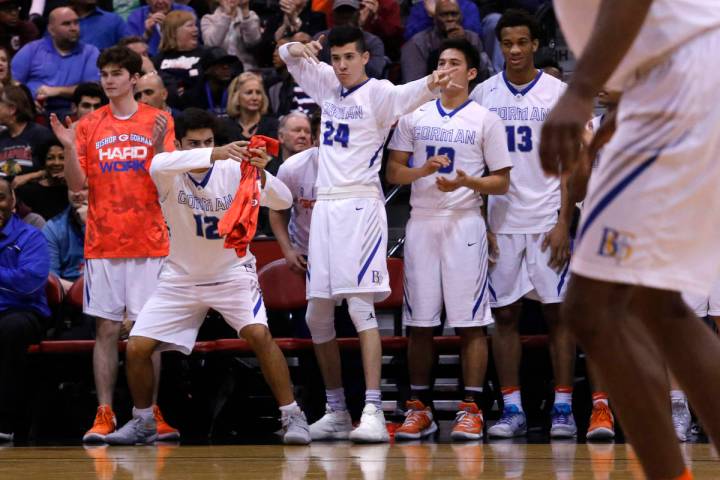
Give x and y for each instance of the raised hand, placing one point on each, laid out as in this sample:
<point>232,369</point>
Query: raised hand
<point>158,134</point>
<point>64,132</point>
<point>309,51</point>
<point>441,79</point>
<point>229,7</point>
<point>236,151</point>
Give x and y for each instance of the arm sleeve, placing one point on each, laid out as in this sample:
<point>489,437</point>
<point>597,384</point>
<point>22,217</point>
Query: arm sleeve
<point>166,165</point>
<point>250,30</point>
<point>471,17</point>
<point>314,79</point>
<point>284,176</point>
<point>214,28</point>
<point>121,29</point>
<point>276,195</point>
<point>136,23</point>
<point>494,146</point>
<point>402,139</point>
<point>53,248</point>
<point>91,73</point>
<point>393,101</point>
<point>33,267</point>
<point>20,65</point>
<point>413,61</point>
<point>417,21</point>
<point>376,64</point>
<point>477,94</point>
<point>81,145</point>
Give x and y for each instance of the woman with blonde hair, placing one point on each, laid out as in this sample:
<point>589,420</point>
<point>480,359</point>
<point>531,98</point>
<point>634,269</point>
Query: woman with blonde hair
<point>248,106</point>
<point>178,59</point>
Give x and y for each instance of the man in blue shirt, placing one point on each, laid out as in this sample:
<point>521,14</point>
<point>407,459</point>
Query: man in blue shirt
<point>53,66</point>
<point>65,234</point>
<point>24,268</point>
<point>147,21</point>
<point>98,27</point>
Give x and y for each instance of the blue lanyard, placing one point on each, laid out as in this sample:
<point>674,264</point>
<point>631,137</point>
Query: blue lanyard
<point>211,104</point>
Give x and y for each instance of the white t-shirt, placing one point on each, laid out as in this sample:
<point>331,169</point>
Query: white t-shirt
<point>299,174</point>
<point>533,200</point>
<point>669,24</point>
<point>194,204</point>
<point>355,122</point>
<point>471,136</point>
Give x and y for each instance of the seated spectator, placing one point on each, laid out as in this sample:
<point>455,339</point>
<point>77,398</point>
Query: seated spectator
<point>295,135</point>
<point>382,19</point>
<point>294,16</point>
<point>5,72</point>
<point>147,21</point>
<point>24,268</point>
<point>87,98</point>
<point>65,235</point>
<point>151,90</point>
<point>53,66</point>
<point>248,106</point>
<point>139,46</point>
<point>98,27</point>
<point>422,14</point>
<point>212,93</point>
<point>235,28</point>
<point>284,92</point>
<point>178,61</point>
<point>45,192</point>
<point>347,12</point>
<point>550,66</point>
<point>23,139</point>
<point>419,54</point>
<point>14,32</point>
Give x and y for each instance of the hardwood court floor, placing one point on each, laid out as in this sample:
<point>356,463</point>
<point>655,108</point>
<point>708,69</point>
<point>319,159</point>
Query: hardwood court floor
<point>562,461</point>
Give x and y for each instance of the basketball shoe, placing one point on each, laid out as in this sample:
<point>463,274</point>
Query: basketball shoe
<point>681,419</point>
<point>602,424</point>
<point>138,431</point>
<point>468,423</point>
<point>512,423</point>
<point>372,428</point>
<point>418,422</point>
<point>295,430</point>
<point>164,430</point>
<point>103,425</point>
<point>562,421</point>
<point>334,425</point>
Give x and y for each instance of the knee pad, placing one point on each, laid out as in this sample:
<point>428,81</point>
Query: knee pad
<point>320,319</point>
<point>362,311</point>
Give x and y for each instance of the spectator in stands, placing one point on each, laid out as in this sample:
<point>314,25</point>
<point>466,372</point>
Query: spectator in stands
<point>422,14</point>
<point>24,268</point>
<point>98,27</point>
<point>381,18</point>
<point>151,90</point>
<point>22,140</point>
<point>212,93</point>
<point>65,235</point>
<point>178,61</point>
<point>53,66</point>
<point>550,66</point>
<point>347,12</point>
<point>14,32</point>
<point>419,54</point>
<point>295,135</point>
<point>87,98</point>
<point>45,191</point>
<point>248,107</point>
<point>5,72</point>
<point>139,45</point>
<point>284,92</point>
<point>235,28</point>
<point>147,21</point>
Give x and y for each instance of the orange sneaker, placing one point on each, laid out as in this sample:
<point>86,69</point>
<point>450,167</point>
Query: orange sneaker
<point>602,424</point>
<point>104,424</point>
<point>165,431</point>
<point>468,423</point>
<point>418,422</point>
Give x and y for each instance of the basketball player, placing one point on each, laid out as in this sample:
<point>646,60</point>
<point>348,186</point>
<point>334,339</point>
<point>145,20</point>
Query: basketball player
<point>531,226</point>
<point>196,185</point>
<point>348,233</point>
<point>110,152</point>
<point>650,230</point>
<point>446,254</point>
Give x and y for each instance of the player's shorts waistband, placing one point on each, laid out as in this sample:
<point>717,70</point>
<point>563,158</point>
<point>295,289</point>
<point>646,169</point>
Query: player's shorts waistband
<point>353,191</point>
<point>445,212</point>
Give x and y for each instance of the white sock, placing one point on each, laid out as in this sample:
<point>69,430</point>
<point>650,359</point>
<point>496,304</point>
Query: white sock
<point>513,398</point>
<point>289,408</point>
<point>563,397</point>
<point>336,399</point>
<point>678,396</point>
<point>143,413</point>
<point>374,397</point>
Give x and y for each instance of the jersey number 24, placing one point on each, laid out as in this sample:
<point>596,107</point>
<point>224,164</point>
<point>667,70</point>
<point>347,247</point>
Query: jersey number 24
<point>342,134</point>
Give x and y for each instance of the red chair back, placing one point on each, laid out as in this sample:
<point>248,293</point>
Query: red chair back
<point>282,288</point>
<point>75,294</point>
<point>395,300</point>
<point>54,291</point>
<point>265,250</point>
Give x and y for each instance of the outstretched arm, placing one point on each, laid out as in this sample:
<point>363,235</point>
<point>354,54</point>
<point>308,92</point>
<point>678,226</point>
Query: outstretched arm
<point>74,144</point>
<point>313,76</point>
<point>617,24</point>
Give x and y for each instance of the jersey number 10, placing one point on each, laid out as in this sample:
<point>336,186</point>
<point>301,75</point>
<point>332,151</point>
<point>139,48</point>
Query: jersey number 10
<point>342,134</point>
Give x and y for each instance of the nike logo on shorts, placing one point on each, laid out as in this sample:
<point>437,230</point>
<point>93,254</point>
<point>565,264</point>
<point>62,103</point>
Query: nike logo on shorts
<point>471,244</point>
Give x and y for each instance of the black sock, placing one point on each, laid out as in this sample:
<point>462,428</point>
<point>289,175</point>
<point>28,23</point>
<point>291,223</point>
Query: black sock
<point>473,395</point>
<point>424,395</point>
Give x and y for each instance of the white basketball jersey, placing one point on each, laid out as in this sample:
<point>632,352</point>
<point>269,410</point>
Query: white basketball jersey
<point>669,24</point>
<point>355,122</point>
<point>299,174</point>
<point>193,205</point>
<point>472,138</point>
<point>533,200</point>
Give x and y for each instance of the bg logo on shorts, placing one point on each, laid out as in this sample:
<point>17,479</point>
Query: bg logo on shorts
<point>376,277</point>
<point>616,244</point>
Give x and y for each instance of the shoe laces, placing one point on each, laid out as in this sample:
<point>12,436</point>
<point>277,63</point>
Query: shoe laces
<point>104,416</point>
<point>679,414</point>
<point>601,414</point>
<point>467,420</point>
<point>508,416</point>
<point>561,414</point>
<point>414,417</point>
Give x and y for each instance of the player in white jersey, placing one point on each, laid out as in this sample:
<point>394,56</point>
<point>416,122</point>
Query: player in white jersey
<point>348,233</point>
<point>531,227</point>
<point>650,230</point>
<point>446,254</point>
<point>196,185</point>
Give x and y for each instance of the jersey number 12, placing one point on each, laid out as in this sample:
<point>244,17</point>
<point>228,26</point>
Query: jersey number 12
<point>211,227</point>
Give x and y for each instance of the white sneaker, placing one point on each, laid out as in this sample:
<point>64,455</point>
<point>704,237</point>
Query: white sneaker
<point>511,424</point>
<point>295,430</point>
<point>372,427</point>
<point>681,419</point>
<point>334,425</point>
<point>6,437</point>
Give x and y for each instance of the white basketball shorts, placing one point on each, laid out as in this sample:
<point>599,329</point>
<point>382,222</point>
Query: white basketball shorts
<point>116,287</point>
<point>522,270</point>
<point>650,214</point>
<point>348,248</point>
<point>446,262</point>
<point>704,305</point>
<point>173,314</point>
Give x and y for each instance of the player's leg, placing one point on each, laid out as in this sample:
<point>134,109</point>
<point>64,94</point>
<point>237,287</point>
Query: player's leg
<point>602,422</point>
<point>422,308</point>
<point>272,362</point>
<point>605,324</point>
